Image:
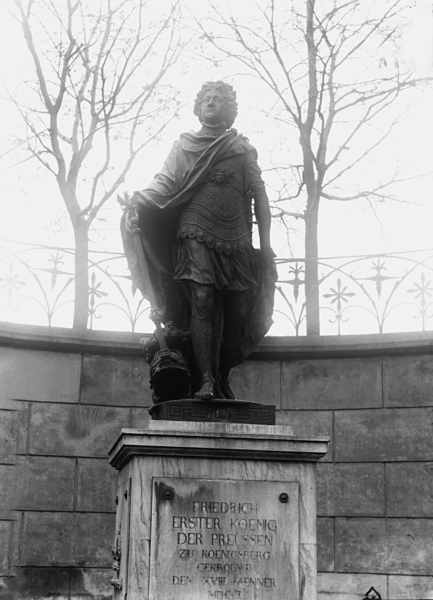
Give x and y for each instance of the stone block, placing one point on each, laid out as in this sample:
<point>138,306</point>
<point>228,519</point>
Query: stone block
<point>384,546</point>
<point>350,490</point>
<point>97,483</point>
<point>325,544</point>
<point>5,535</point>
<point>47,539</point>
<point>23,413</point>
<point>93,540</point>
<point>409,489</point>
<point>68,430</point>
<point>37,375</point>
<point>8,478</point>
<point>91,584</point>
<point>331,384</point>
<point>36,584</point>
<point>408,381</point>
<point>43,484</point>
<point>342,586</point>
<point>13,431</point>
<point>140,418</point>
<point>116,381</point>
<point>8,436</point>
<point>53,584</point>
<point>407,587</point>
<point>16,529</point>
<point>67,539</point>
<point>384,435</point>
<point>258,381</point>
<point>309,423</point>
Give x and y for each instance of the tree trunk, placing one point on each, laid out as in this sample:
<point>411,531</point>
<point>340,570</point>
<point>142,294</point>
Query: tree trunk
<point>312,268</point>
<point>81,306</point>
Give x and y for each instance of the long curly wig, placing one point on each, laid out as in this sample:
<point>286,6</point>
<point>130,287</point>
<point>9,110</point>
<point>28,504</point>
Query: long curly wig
<point>228,94</point>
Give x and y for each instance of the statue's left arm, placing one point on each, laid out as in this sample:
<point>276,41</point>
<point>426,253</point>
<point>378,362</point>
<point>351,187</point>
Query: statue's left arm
<point>261,208</point>
<point>259,316</point>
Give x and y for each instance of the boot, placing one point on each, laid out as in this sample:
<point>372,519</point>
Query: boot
<point>226,389</point>
<point>207,390</point>
<point>234,318</point>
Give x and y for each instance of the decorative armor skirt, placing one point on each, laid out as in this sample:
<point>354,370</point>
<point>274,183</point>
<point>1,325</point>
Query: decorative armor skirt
<point>197,262</point>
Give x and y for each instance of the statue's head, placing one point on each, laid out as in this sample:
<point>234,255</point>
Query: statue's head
<point>223,98</point>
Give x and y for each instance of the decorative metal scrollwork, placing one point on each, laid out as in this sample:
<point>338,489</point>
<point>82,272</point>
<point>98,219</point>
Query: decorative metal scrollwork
<point>360,294</point>
<point>116,550</point>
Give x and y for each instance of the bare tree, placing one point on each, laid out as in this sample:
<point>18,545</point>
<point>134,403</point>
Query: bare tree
<point>95,98</point>
<point>335,77</point>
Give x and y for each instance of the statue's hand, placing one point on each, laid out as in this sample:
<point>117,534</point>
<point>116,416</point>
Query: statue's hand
<point>130,209</point>
<point>267,253</point>
<point>268,260</point>
<point>131,222</point>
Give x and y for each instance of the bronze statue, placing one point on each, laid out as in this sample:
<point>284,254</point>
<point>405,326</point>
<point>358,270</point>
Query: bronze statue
<point>195,223</point>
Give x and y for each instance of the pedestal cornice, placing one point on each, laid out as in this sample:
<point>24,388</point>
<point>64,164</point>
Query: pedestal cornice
<point>217,441</point>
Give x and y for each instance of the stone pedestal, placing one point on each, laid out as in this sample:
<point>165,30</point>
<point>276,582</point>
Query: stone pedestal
<point>215,511</point>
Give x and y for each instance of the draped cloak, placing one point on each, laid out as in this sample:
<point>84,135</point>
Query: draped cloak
<point>184,172</point>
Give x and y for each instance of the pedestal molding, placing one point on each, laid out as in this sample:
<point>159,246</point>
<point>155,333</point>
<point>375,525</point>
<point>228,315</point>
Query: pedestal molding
<point>221,443</point>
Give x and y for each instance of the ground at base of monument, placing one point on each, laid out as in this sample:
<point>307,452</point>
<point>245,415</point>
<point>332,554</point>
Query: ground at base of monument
<point>209,411</point>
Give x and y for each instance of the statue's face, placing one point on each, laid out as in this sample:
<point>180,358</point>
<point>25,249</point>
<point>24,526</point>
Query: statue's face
<point>213,107</point>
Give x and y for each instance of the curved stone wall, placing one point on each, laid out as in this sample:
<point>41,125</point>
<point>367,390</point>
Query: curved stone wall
<point>65,396</point>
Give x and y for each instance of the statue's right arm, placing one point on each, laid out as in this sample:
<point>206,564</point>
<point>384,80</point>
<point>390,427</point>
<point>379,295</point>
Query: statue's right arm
<point>164,182</point>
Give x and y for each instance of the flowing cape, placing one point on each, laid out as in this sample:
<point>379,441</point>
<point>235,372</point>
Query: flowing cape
<point>184,171</point>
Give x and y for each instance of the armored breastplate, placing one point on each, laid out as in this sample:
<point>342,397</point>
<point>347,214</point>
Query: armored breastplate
<point>217,213</point>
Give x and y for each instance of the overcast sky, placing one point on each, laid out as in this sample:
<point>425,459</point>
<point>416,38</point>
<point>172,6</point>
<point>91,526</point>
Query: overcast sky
<point>33,210</point>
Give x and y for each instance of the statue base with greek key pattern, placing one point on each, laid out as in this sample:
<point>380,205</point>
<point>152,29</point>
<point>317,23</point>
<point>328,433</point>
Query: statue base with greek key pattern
<point>206,411</point>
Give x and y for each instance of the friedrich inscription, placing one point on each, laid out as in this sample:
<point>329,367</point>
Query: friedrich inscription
<point>224,540</point>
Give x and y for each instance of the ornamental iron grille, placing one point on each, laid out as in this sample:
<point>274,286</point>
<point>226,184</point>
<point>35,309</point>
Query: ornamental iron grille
<point>362,294</point>
<point>37,288</point>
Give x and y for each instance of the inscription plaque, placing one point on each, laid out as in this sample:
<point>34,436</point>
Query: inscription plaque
<point>224,540</point>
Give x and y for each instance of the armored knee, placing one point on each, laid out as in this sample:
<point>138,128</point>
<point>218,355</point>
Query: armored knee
<point>201,300</point>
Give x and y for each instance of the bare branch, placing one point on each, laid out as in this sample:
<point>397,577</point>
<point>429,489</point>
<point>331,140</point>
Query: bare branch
<point>85,70</point>
<point>377,192</point>
<point>281,212</point>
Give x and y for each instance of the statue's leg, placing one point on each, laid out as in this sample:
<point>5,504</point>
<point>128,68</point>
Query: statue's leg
<point>235,306</point>
<point>217,328</point>
<point>202,299</point>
